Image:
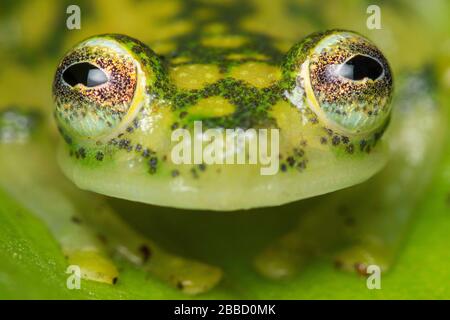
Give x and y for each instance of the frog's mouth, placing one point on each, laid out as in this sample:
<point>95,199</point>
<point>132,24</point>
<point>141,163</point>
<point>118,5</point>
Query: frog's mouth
<point>234,188</point>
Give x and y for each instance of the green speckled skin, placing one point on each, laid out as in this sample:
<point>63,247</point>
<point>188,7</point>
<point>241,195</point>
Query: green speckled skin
<point>335,121</point>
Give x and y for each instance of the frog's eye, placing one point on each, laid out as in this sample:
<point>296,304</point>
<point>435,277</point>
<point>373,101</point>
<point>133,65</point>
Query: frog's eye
<point>84,73</point>
<point>360,67</point>
<point>346,80</point>
<point>99,86</point>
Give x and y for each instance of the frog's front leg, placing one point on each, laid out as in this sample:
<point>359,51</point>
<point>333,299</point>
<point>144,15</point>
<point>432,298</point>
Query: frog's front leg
<point>86,228</point>
<point>369,221</point>
<point>385,205</point>
<point>320,229</point>
<point>190,276</point>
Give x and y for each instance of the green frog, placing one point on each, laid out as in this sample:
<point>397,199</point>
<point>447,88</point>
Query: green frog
<point>324,103</point>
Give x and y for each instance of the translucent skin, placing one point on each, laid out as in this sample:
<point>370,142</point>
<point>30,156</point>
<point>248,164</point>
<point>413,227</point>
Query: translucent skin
<point>319,150</point>
<point>260,62</point>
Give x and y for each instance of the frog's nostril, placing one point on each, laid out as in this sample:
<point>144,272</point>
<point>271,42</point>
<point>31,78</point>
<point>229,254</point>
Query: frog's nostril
<point>84,73</point>
<point>359,67</point>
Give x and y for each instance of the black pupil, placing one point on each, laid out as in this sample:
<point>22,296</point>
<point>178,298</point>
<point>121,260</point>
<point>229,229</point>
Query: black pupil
<point>360,67</point>
<point>84,73</point>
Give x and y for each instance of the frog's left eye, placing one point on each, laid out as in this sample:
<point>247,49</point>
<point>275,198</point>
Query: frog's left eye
<point>84,73</point>
<point>346,81</point>
<point>100,85</point>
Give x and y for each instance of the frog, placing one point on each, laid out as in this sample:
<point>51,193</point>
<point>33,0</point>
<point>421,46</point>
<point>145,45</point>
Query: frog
<point>344,152</point>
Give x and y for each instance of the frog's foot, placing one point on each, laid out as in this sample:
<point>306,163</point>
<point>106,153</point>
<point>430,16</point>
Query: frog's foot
<point>94,265</point>
<point>283,259</point>
<point>357,258</point>
<point>189,276</point>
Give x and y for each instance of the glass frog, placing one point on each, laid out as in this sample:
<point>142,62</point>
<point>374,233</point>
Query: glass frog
<point>117,104</point>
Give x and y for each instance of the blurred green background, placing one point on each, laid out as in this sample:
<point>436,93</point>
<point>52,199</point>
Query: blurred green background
<point>33,37</point>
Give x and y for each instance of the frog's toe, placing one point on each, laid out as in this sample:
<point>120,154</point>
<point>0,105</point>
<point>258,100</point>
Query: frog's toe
<point>189,276</point>
<point>282,259</point>
<point>94,266</point>
<point>359,257</point>
<point>276,265</point>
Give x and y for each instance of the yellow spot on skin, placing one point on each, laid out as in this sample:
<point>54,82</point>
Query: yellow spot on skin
<point>215,28</point>
<point>179,60</point>
<point>224,41</point>
<point>271,18</point>
<point>163,47</point>
<point>292,128</point>
<point>194,76</point>
<point>157,15</point>
<point>257,74</point>
<point>283,45</point>
<point>241,56</point>
<point>211,107</point>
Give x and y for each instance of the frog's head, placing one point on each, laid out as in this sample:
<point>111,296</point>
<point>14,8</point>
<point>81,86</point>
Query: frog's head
<point>326,106</point>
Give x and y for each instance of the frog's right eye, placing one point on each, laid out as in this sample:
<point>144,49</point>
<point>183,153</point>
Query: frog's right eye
<point>100,85</point>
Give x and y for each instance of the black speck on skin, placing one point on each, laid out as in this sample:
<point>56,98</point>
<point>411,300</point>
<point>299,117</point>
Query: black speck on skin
<point>82,153</point>
<point>145,252</point>
<point>345,139</point>
<point>336,140</point>
<point>301,165</point>
<point>350,148</point>
<point>124,143</point>
<point>153,161</point>
<point>299,152</point>
<point>194,173</point>
<point>362,144</point>
<point>102,238</point>
<point>146,153</point>
<point>99,156</point>
<point>76,220</point>
<point>291,161</point>
<point>183,114</point>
